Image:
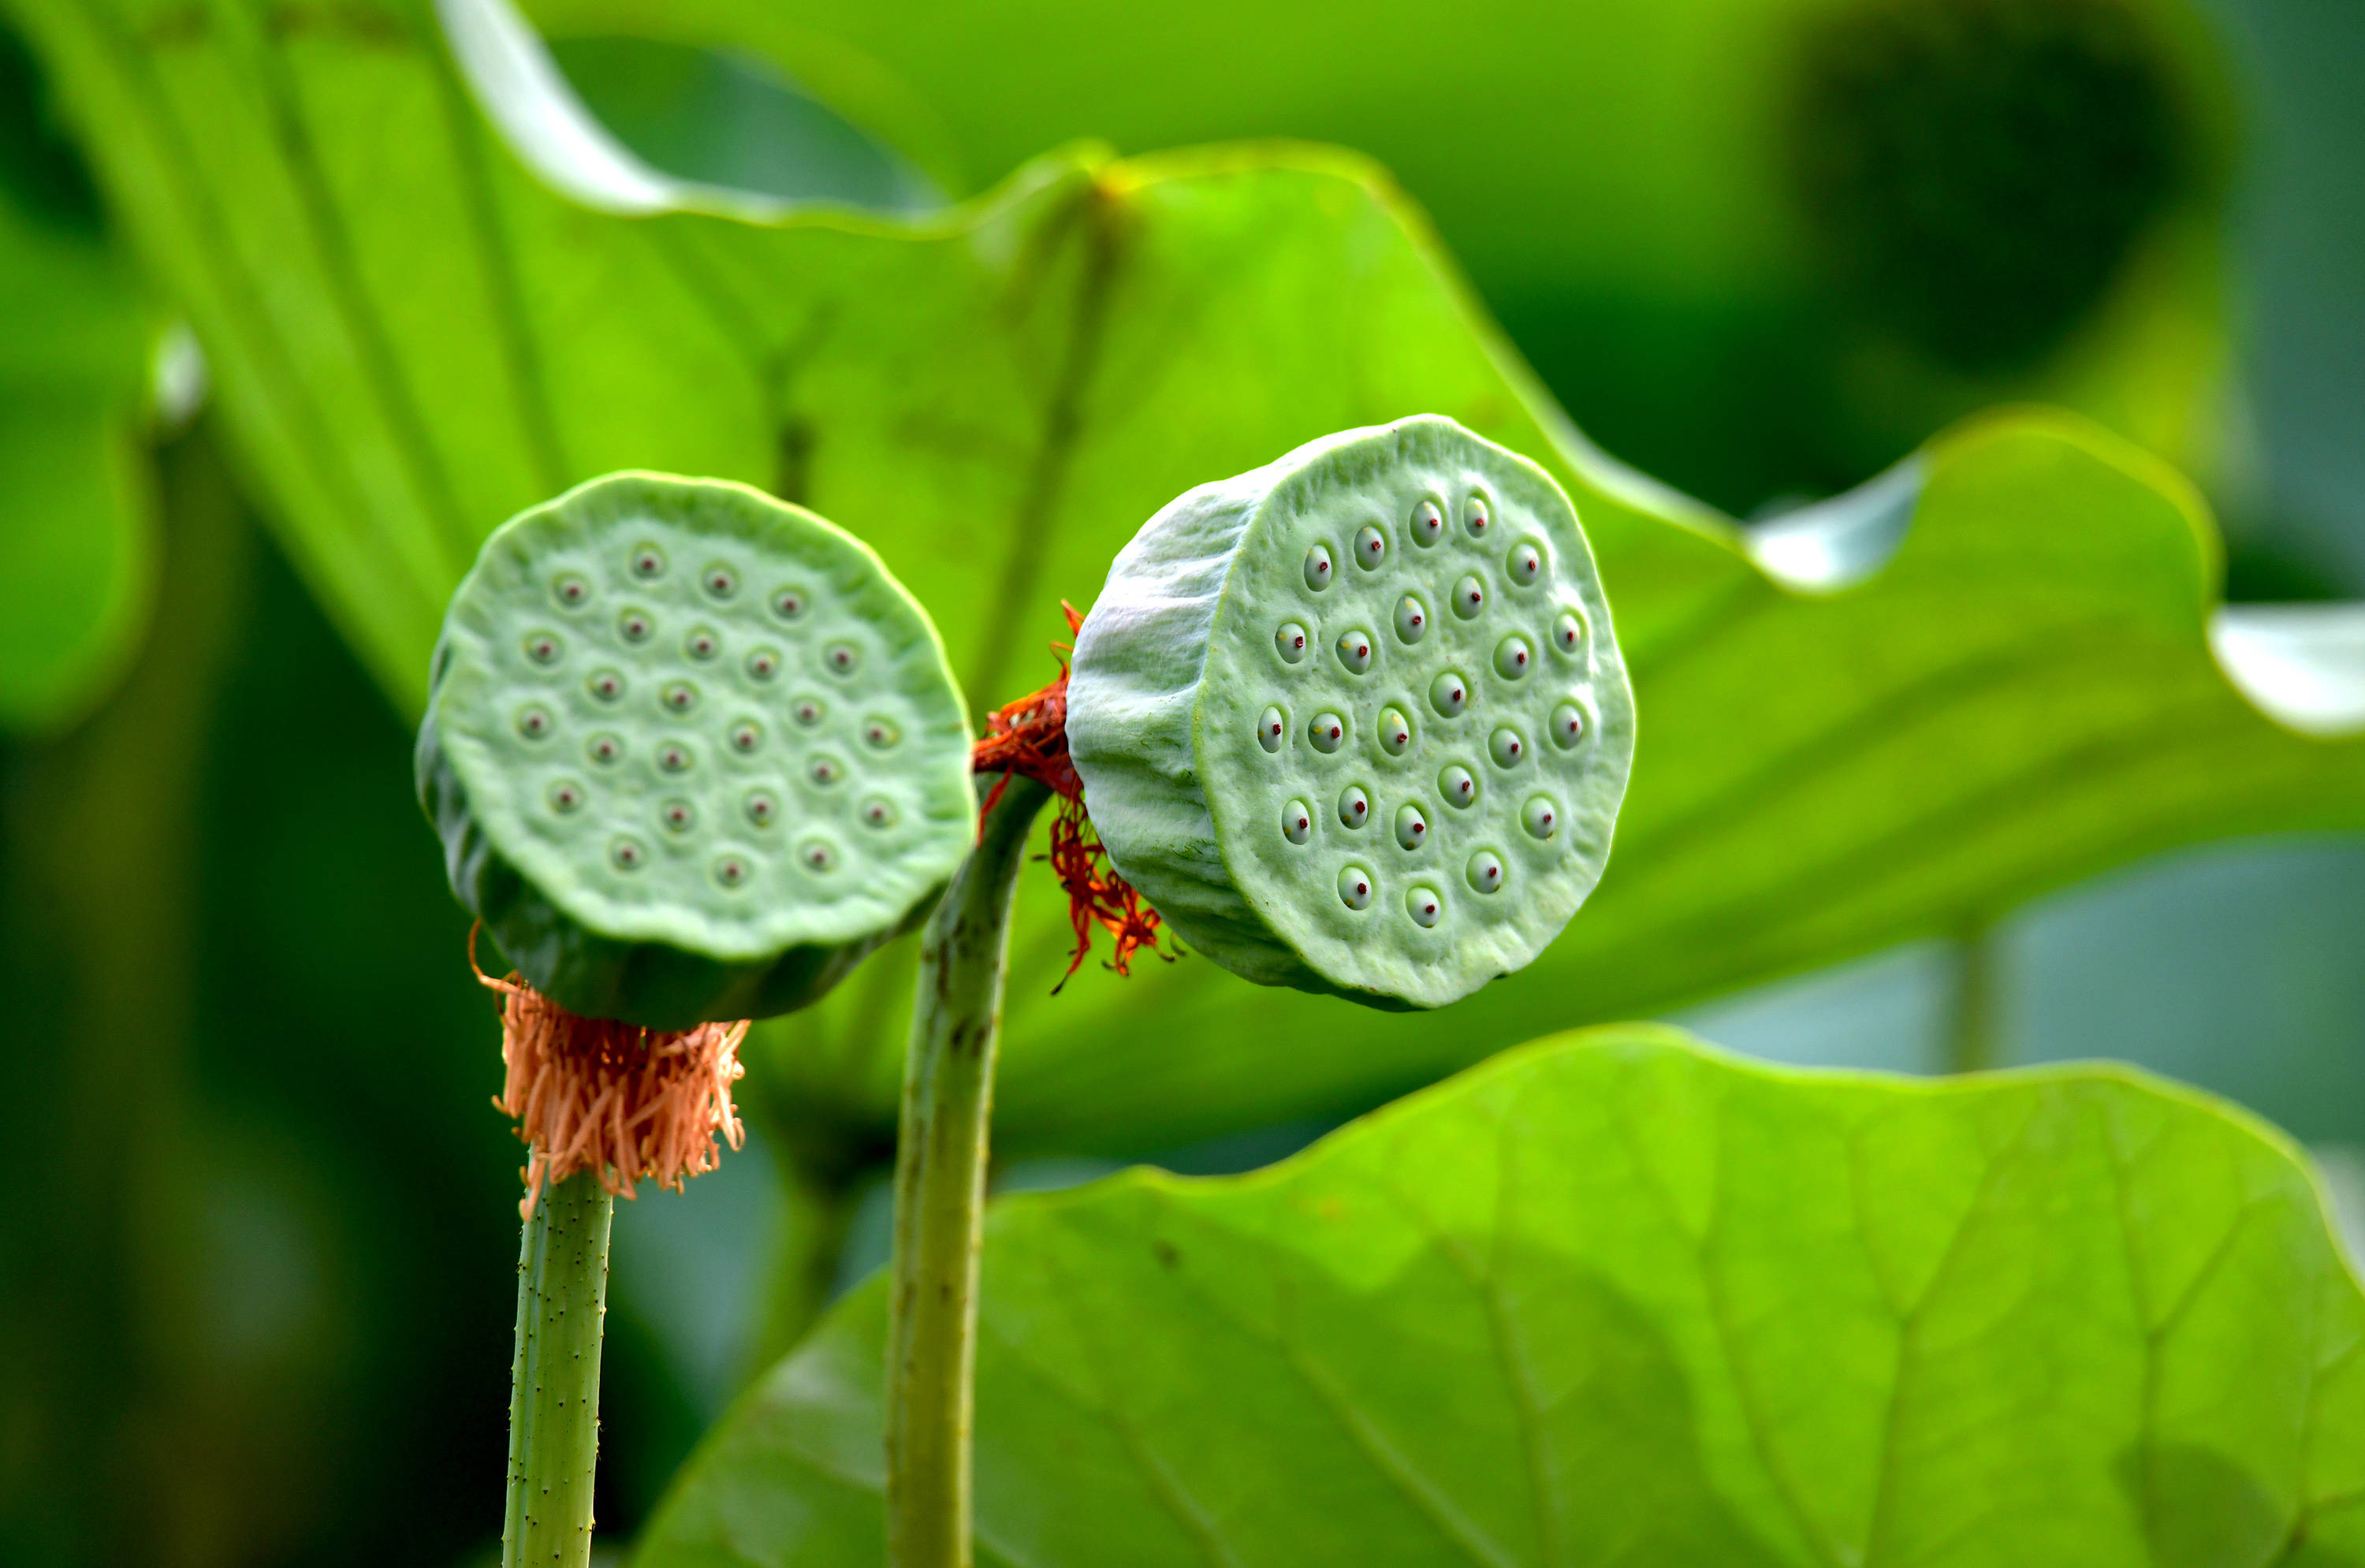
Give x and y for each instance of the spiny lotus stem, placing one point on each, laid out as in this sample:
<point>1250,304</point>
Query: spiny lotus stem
<point>624,1103</point>
<point>1029,738</point>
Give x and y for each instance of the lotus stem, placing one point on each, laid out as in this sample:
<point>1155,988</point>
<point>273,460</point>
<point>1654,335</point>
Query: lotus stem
<point>554,1380</point>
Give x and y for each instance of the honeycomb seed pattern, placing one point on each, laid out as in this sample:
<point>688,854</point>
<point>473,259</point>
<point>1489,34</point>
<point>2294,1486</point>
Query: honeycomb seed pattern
<point>1468,718</point>
<point>689,714</point>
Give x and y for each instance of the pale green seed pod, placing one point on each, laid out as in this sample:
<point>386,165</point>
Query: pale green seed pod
<point>1356,722</point>
<point>692,751</point>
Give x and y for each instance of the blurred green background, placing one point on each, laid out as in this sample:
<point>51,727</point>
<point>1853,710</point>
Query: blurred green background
<point>255,1286</point>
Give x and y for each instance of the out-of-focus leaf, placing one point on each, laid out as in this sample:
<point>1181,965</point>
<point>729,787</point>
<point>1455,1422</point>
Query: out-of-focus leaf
<point>1614,1299</point>
<point>415,337</point>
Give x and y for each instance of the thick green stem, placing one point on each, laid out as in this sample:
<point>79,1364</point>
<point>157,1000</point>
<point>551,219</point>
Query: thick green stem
<point>940,1157</point>
<point>555,1381</point>
<point>1971,1044</point>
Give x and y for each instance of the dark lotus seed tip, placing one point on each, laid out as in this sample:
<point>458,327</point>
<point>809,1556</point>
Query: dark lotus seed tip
<point>1326,734</point>
<point>572,591</point>
<point>1469,597</point>
<point>764,664</point>
<point>679,696</point>
<point>1506,746</point>
<point>1354,807</point>
<point>1525,563</point>
<point>825,770</point>
<point>544,647</point>
<point>820,857</point>
<point>565,796</point>
<point>843,657</point>
<point>1567,725</point>
<point>761,807</point>
<point>1424,906</point>
<point>1512,657</point>
<point>607,685</point>
<point>1475,516</point>
<point>1317,569</point>
<point>648,561</point>
<point>604,749</point>
<point>634,626</point>
<point>878,814</point>
<point>1412,828</point>
<point>678,816</point>
<point>626,854</point>
<point>1272,728</point>
<point>721,581</point>
<point>1290,642</point>
<point>702,644</point>
<point>731,871</point>
<point>1371,548</point>
<point>1396,731</point>
<point>1355,652</point>
<point>1355,888</point>
<point>1457,785</point>
<point>880,735</point>
<point>1428,523</point>
<point>1296,821</point>
<point>533,722</point>
<point>674,757</point>
<point>1412,619</point>
<point>1540,817</point>
<point>788,603</point>
<point>745,737</point>
<point>1448,694</point>
<point>808,711</point>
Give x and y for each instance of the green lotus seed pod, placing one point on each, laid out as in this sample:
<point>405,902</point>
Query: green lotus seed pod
<point>692,752</point>
<point>1206,734</point>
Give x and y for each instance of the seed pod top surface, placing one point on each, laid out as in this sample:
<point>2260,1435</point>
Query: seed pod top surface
<point>1356,721</point>
<point>691,750</point>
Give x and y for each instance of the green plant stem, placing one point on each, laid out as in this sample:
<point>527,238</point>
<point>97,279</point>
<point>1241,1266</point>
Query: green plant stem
<point>555,1381</point>
<point>1971,1044</point>
<point>940,1157</point>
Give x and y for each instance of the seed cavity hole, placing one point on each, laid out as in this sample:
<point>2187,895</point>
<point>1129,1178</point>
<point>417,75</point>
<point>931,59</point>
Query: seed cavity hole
<point>1355,652</point>
<point>679,696</point>
<point>1540,816</point>
<point>544,647</point>
<point>1449,694</point>
<point>1525,563</point>
<point>571,591</point>
<point>604,749</point>
<point>1412,619</point>
<point>1505,747</point>
<point>761,807</point>
<point>1412,828</point>
<point>1458,787</point>
<point>566,797</point>
<point>763,663</point>
<point>1568,634</point>
<point>731,871</point>
<point>825,771</point>
<point>1318,568</point>
<point>745,737</point>
<point>1512,657</point>
<point>533,722</point>
<point>788,603</point>
<point>843,659</point>
<point>1567,726</point>
<point>819,855</point>
<point>606,685</point>
<point>880,735</point>
<point>675,758</point>
<point>627,855</point>
<point>678,815</point>
<point>648,563</point>
<point>1272,728</point>
<point>1428,523</point>
<point>808,711</point>
<point>1424,906</point>
<point>1470,597</point>
<point>1477,516</point>
<point>719,581</point>
<point>1289,641</point>
<point>1355,888</point>
<point>1371,548</point>
<point>1296,823</point>
<point>1486,872</point>
<point>702,644</point>
<point>1396,731</point>
<point>1354,807</point>
<point>635,625</point>
<point>1327,734</point>
<point>878,814</point>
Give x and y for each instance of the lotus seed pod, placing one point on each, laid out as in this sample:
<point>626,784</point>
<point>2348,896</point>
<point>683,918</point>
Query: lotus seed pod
<point>1456,845</point>
<point>692,752</point>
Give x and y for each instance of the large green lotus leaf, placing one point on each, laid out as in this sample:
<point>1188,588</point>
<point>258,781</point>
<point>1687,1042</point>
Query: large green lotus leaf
<point>414,336</point>
<point>1615,1298</point>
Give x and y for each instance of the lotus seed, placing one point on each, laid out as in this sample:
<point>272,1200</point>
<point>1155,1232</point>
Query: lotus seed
<point>880,734</point>
<point>1540,817</point>
<point>764,664</point>
<point>1325,732</point>
<point>1396,731</point>
<point>533,722</point>
<point>1428,523</point>
<point>878,814</point>
<point>1291,641</point>
<point>825,771</point>
<point>1568,724</point>
<point>1486,871</point>
<point>607,685</point>
<point>1469,597</point>
<point>1511,657</point>
<point>1568,633</point>
<point>1317,569</point>
<point>1525,563</point>
<point>678,815</point>
<point>808,711</point>
<point>760,807</point>
<point>1449,694</point>
<point>604,748</point>
<point>1355,888</point>
<point>1412,828</point>
<point>648,562</point>
<point>627,853</point>
<point>1272,728</point>
<point>1371,548</point>
<point>679,696</point>
<point>1423,905</point>
<point>819,856</point>
<point>1296,823</point>
<point>1354,807</point>
<point>674,757</point>
<point>565,796</point>
<point>1355,652</point>
<point>844,658</point>
<point>730,870</point>
<point>745,737</point>
<point>1477,517</point>
<point>1506,746</point>
<point>572,590</point>
<point>1457,785</point>
<point>702,644</point>
<point>788,603</point>
<point>544,647</point>
<point>1412,619</point>
<point>634,626</point>
<point>721,581</point>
